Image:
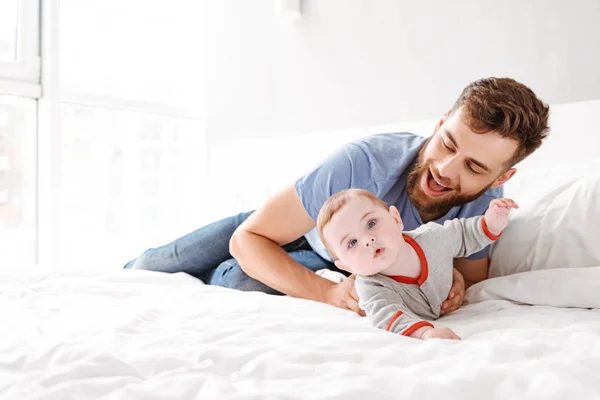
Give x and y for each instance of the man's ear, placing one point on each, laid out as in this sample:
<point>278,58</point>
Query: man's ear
<point>396,215</point>
<point>504,177</point>
<point>339,264</point>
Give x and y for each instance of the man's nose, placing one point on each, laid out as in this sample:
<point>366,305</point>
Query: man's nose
<point>448,168</point>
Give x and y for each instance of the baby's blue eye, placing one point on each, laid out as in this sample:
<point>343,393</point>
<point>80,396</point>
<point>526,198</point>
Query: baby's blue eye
<point>351,243</point>
<point>371,223</point>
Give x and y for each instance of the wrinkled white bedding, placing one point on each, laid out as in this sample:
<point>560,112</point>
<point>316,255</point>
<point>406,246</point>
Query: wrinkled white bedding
<point>143,335</point>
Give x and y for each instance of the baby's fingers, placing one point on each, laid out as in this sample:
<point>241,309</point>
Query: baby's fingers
<point>506,203</point>
<point>512,204</point>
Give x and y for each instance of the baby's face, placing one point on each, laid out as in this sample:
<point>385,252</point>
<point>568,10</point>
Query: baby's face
<point>365,237</point>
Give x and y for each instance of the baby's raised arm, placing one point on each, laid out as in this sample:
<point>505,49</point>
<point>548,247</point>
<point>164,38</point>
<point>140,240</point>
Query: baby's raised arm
<point>470,235</point>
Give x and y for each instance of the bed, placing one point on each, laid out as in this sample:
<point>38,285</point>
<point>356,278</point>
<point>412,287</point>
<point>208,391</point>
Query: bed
<point>531,331</point>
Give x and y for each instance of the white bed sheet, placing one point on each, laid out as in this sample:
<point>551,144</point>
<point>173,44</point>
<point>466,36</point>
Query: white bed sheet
<point>144,335</point>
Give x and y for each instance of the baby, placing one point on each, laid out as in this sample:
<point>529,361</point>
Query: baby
<point>402,277</point>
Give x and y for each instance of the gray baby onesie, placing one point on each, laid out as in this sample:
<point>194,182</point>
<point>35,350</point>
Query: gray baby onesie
<point>401,304</point>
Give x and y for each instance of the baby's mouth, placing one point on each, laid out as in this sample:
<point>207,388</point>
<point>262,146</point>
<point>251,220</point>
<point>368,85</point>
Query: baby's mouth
<point>378,252</point>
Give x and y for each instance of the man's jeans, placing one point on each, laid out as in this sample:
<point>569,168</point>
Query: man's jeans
<point>204,254</point>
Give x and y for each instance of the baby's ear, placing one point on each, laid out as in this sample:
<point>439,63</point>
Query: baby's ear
<point>339,264</point>
<point>396,215</point>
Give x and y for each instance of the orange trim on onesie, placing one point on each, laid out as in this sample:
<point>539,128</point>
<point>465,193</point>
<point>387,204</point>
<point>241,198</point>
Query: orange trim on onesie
<point>487,232</point>
<point>424,266</point>
<point>394,318</point>
<point>416,326</point>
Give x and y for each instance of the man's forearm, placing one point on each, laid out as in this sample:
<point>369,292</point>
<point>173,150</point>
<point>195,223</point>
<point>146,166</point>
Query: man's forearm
<point>473,271</point>
<point>468,284</point>
<point>265,261</point>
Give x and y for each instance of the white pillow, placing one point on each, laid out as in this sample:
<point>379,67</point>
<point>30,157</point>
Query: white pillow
<point>558,223</point>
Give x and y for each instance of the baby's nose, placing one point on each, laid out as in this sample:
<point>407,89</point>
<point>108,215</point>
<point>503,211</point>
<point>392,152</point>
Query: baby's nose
<point>370,241</point>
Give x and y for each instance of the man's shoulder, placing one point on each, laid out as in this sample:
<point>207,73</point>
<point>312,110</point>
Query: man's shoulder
<point>494,193</point>
<point>385,155</point>
<point>390,142</point>
<point>382,151</point>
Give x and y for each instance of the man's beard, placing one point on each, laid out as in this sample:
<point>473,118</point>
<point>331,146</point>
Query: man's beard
<point>428,205</point>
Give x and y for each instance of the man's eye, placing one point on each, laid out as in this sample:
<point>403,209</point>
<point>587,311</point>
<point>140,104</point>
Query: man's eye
<point>371,223</point>
<point>471,169</point>
<point>351,243</point>
<point>446,146</point>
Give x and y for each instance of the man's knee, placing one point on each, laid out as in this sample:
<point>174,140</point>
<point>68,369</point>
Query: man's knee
<point>230,275</point>
<point>144,261</point>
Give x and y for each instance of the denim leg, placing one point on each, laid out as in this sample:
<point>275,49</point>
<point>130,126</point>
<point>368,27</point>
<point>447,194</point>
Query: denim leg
<point>197,253</point>
<point>230,275</point>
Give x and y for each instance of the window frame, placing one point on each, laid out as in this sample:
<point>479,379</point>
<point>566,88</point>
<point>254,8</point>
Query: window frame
<point>22,77</point>
<point>50,136</point>
<point>35,75</point>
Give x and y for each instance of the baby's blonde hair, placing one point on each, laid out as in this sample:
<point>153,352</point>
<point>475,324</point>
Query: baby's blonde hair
<point>335,204</point>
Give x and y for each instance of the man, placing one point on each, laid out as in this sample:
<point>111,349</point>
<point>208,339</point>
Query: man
<point>493,125</point>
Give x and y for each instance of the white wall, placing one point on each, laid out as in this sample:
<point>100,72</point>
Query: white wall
<point>249,170</point>
<point>351,63</point>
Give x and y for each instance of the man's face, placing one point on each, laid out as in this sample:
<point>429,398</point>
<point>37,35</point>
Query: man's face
<point>457,165</point>
<point>364,236</point>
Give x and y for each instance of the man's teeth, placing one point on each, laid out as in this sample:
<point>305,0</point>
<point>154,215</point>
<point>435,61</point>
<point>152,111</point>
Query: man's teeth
<point>436,181</point>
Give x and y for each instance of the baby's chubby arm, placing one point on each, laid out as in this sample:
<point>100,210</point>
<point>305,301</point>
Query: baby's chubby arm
<point>466,236</point>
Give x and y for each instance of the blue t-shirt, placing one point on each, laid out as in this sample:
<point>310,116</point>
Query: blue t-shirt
<point>379,164</point>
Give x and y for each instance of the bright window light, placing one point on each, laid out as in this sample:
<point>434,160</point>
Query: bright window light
<point>8,30</point>
<point>17,182</point>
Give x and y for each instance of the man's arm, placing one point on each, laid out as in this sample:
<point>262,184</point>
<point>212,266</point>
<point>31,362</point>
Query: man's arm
<point>256,246</point>
<point>465,274</point>
<point>473,271</point>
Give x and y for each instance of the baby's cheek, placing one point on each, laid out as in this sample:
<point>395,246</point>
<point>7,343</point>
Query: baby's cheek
<point>362,267</point>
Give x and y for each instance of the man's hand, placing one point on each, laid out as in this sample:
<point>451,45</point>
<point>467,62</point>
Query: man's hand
<point>343,295</point>
<point>456,294</point>
<point>439,333</point>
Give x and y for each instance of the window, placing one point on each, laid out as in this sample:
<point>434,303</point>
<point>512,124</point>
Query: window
<point>130,180</point>
<point>17,181</point>
<point>132,149</point>
<point>19,48</point>
<point>111,159</point>
<point>136,50</point>
<point>19,88</point>
<point>8,30</point>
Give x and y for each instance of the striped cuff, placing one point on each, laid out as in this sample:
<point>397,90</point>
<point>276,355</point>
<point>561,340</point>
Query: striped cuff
<point>487,231</point>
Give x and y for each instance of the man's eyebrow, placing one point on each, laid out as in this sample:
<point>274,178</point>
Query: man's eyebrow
<point>478,163</point>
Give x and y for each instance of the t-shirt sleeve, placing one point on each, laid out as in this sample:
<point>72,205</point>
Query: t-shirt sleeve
<point>349,167</point>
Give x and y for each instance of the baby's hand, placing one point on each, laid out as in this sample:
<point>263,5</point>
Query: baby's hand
<point>496,216</point>
<point>439,333</point>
